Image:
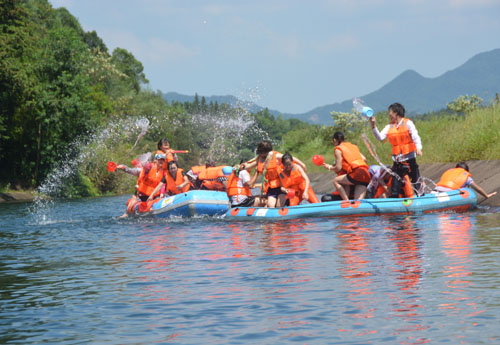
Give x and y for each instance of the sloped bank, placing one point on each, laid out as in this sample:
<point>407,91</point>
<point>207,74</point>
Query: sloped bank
<point>484,173</point>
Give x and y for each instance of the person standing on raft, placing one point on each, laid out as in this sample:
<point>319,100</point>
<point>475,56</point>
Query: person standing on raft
<point>350,161</point>
<point>406,146</point>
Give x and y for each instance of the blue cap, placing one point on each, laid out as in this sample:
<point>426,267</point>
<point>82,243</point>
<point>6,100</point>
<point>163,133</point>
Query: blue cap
<point>227,170</point>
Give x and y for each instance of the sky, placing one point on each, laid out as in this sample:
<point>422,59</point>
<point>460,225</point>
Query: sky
<point>290,55</point>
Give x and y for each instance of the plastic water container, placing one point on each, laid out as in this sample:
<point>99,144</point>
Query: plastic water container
<point>360,106</point>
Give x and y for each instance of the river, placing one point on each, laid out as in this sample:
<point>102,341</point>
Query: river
<point>76,274</point>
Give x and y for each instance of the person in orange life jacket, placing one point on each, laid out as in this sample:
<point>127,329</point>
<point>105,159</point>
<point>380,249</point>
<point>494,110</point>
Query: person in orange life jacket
<point>238,188</point>
<point>174,180</point>
<point>406,145</point>
<point>266,164</point>
<point>164,146</point>
<point>150,177</point>
<point>292,176</point>
<point>459,177</point>
<point>348,158</point>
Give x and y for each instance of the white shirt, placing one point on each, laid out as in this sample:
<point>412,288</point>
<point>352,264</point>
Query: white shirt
<point>243,177</point>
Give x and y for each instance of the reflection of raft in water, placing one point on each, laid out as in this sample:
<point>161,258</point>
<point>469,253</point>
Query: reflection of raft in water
<point>455,201</point>
<point>189,204</point>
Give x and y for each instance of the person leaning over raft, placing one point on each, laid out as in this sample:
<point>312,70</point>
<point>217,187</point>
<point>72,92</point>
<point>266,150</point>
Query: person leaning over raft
<point>406,146</point>
<point>267,166</point>
<point>293,177</point>
<point>459,177</point>
<point>349,159</point>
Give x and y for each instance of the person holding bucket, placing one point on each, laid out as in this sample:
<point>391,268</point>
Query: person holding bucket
<point>406,146</point>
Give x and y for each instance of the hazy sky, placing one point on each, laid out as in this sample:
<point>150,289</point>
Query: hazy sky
<point>291,55</point>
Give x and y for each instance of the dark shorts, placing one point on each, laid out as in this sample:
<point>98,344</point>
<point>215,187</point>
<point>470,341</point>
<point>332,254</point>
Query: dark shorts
<point>274,192</point>
<point>143,197</point>
<point>247,203</point>
<point>359,176</point>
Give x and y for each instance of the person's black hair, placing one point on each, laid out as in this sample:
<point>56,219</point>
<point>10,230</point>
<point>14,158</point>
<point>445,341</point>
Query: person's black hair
<point>172,163</point>
<point>339,136</point>
<point>286,156</point>
<point>209,164</point>
<point>398,109</point>
<point>462,165</point>
<point>161,142</point>
<point>264,146</point>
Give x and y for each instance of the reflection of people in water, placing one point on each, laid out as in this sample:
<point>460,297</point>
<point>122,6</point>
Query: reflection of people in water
<point>455,237</point>
<point>355,262</point>
<point>283,238</point>
<point>408,266</point>
<point>408,257</point>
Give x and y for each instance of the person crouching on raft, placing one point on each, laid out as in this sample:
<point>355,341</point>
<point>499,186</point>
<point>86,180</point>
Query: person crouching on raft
<point>175,180</point>
<point>292,176</point>
<point>348,158</point>
<point>267,165</point>
<point>459,177</point>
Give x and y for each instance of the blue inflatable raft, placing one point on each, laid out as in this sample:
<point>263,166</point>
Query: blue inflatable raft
<point>455,201</point>
<point>190,204</point>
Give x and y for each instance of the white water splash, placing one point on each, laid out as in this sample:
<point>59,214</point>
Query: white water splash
<point>80,152</point>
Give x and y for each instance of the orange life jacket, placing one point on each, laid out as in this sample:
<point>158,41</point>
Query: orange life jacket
<point>454,178</point>
<point>232,186</point>
<point>172,184</point>
<point>407,189</point>
<point>209,176</point>
<point>351,157</point>
<point>296,182</point>
<point>272,173</point>
<point>400,139</point>
<point>148,180</point>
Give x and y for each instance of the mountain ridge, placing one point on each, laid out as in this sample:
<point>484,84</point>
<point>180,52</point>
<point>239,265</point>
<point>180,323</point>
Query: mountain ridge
<point>479,75</point>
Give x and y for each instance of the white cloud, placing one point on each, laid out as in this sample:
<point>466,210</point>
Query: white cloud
<point>154,49</point>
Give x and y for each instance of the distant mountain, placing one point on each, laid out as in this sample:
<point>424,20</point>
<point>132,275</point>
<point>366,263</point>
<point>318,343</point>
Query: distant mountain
<point>231,100</point>
<point>480,75</point>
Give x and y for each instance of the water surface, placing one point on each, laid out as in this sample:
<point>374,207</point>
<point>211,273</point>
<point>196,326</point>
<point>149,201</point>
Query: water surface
<point>75,274</point>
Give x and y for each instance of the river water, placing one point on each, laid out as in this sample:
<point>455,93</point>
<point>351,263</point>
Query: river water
<point>76,274</point>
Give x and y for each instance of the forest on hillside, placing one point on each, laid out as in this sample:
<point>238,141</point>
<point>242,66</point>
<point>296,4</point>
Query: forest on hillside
<point>68,106</point>
<point>60,86</point>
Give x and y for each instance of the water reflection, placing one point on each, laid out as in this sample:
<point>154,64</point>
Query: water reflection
<point>355,260</point>
<point>455,239</point>
<point>284,238</point>
<point>406,237</point>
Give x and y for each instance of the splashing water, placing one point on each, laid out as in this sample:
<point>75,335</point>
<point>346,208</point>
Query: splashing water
<point>143,124</point>
<point>82,152</point>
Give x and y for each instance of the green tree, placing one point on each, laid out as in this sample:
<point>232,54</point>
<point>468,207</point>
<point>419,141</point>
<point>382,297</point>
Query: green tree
<point>127,64</point>
<point>465,104</point>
